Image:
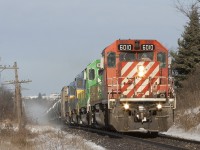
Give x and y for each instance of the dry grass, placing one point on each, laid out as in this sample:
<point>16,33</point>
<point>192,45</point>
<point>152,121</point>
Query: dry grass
<point>21,138</point>
<point>6,104</point>
<point>16,139</point>
<point>188,121</point>
<point>188,97</point>
<point>61,140</point>
<point>42,138</point>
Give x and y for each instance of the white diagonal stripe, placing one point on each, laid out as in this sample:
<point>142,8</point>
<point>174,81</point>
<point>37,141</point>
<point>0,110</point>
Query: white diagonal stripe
<point>146,70</point>
<point>125,68</point>
<point>152,75</point>
<point>132,72</point>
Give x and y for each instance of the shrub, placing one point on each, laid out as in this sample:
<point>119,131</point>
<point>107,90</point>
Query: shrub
<point>6,104</point>
<point>189,95</point>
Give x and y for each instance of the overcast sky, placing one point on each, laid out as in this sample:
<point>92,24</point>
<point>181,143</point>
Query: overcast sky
<point>53,40</point>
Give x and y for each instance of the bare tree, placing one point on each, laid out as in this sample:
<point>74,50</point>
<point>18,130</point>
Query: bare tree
<point>187,9</point>
<point>6,104</point>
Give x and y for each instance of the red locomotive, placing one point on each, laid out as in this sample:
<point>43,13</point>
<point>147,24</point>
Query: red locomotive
<point>137,86</point>
<point>130,89</point>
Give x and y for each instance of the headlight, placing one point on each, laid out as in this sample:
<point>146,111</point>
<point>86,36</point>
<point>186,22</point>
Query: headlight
<point>126,106</point>
<point>159,106</point>
<point>141,68</point>
<point>141,74</point>
<point>141,71</point>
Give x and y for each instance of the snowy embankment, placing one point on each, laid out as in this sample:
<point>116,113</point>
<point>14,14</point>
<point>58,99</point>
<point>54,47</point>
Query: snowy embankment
<point>41,137</point>
<point>50,137</point>
<point>193,133</point>
<point>56,139</point>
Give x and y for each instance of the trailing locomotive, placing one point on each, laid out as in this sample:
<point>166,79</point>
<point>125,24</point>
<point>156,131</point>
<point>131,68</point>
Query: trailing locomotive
<point>129,89</point>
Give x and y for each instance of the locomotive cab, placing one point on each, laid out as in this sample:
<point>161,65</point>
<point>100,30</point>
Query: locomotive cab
<point>137,85</point>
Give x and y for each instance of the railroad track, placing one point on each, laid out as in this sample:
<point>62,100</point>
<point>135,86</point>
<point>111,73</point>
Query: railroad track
<point>159,142</point>
<point>186,143</point>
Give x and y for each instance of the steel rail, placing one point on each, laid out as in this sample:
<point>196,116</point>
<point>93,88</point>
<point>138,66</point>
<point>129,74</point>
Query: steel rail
<point>138,139</point>
<point>178,138</point>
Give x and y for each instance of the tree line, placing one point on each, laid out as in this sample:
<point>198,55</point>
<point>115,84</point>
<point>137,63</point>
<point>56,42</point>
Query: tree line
<point>187,57</point>
<point>186,60</point>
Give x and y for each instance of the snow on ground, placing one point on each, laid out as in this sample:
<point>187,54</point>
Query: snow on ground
<point>192,111</point>
<point>52,138</point>
<point>193,133</point>
<point>56,139</point>
<point>45,138</point>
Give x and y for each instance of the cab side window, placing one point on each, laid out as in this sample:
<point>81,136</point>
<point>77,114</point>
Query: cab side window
<point>91,74</point>
<point>111,59</point>
<point>161,57</point>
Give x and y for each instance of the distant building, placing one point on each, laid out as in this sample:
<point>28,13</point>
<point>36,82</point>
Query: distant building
<point>30,97</point>
<point>52,96</point>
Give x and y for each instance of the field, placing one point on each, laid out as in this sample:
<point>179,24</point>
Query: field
<point>36,137</point>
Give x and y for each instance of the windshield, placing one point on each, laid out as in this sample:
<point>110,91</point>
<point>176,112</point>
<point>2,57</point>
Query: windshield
<point>145,56</point>
<point>79,82</point>
<point>127,56</point>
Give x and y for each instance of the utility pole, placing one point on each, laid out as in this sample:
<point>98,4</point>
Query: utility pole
<point>6,68</point>
<point>18,98</point>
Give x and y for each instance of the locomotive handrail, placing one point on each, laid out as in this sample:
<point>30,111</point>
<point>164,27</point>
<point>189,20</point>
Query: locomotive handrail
<point>117,85</point>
